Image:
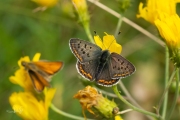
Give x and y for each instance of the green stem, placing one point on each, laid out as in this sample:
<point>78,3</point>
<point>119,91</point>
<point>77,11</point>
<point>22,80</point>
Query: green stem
<point>166,82</point>
<point>129,22</point>
<point>132,106</point>
<point>67,114</point>
<point>176,95</point>
<point>167,88</point>
<point>128,94</point>
<point>118,26</point>
<point>88,32</point>
<point>130,97</point>
<point>106,93</point>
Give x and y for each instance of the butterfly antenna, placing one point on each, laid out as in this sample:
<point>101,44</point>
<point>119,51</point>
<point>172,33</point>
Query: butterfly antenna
<point>119,32</point>
<point>114,39</point>
<point>95,32</point>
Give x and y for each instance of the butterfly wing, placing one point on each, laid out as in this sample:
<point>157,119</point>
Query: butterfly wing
<point>120,67</point>
<point>49,67</point>
<point>38,81</point>
<point>87,69</point>
<point>84,51</point>
<point>40,72</point>
<point>104,78</point>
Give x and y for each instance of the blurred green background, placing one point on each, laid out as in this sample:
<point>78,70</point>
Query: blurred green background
<point>24,33</point>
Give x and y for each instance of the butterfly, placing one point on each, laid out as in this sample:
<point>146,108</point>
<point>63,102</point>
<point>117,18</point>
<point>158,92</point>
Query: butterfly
<point>40,72</point>
<point>98,65</point>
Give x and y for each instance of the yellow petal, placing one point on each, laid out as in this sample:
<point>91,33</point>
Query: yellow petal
<point>110,43</point>
<point>118,117</point>
<point>47,3</point>
<point>28,107</point>
<point>36,57</point>
<point>98,41</point>
<point>82,10</point>
<point>80,4</point>
<point>142,12</point>
<point>49,94</point>
<point>21,76</point>
<point>169,28</point>
<point>153,7</point>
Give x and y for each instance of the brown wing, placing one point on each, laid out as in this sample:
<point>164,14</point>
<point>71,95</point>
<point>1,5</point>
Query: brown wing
<point>84,51</point>
<point>87,70</point>
<point>49,67</point>
<point>120,67</point>
<point>104,78</point>
<point>38,81</point>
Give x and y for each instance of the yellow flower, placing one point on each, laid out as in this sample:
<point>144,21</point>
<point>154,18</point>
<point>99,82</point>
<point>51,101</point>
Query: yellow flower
<point>90,98</point>
<point>108,42</point>
<point>21,76</point>
<point>118,117</point>
<point>81,8</point>
<point>169,29</point>
<point>153,7</point>
<point>28,107</point>
<point>46,3</point>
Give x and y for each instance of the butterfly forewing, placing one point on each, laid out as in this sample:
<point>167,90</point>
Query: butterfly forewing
<point>120,67</point>
<point>49,67</point>
<point>84,51</point>
<point>104,77</point>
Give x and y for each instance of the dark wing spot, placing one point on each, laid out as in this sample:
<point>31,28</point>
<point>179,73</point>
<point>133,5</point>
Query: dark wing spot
<point>84,52</point>
<point>88,55</point>
<point>122,63</point>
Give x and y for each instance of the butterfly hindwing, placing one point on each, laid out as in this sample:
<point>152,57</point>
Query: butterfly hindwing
<point>120,67</point>
<point>84,51</point>
<point>87,69</point>
<point>104,77</point>
<point>38,81</point>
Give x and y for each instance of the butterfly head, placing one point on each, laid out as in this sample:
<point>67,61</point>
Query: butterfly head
<point>23,63</point>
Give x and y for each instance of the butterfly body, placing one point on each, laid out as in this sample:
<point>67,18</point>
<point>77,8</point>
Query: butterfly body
<point>40,72</point>
<point>99,65</point>
<point>103,60</point>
